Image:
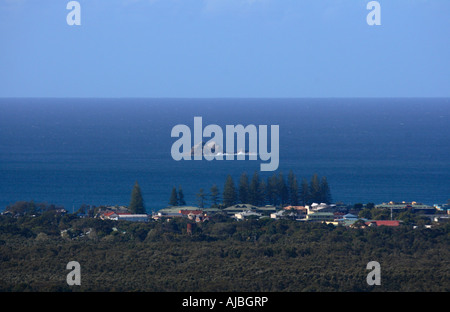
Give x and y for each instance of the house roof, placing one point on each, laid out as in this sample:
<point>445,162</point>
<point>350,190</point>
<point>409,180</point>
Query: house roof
<point>385,222</point>
<point>295,207</point>
<point>187,212</point>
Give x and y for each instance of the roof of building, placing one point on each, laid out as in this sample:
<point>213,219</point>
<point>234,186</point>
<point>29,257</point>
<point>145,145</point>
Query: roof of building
<point>242,207</point>
<point>385,222</point>
<point>295,208</point>
<point>316,213</point>
<point>129,215</point>
<point>194,212</point>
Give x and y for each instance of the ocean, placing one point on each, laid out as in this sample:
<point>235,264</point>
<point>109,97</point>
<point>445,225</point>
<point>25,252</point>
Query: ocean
<point>73,151</point>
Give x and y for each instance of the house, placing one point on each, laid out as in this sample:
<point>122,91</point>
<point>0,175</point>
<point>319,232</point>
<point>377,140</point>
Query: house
<point>320,216</point>
<point>290,212</point>
<point>197,215</point>
<point>350,216</point>
<point>124,216</point>
<point>266,210</point>
<point>108,215</point>
<point>166,215</point>
<point>383,222</point>
<point>294,208</point>
<point>190,213</point>
<point>232,210</point>
<point>413,206</point>
<point>284,214</point>
<point>132,217</point>
<point>245,214</point>
<point>322,207</point>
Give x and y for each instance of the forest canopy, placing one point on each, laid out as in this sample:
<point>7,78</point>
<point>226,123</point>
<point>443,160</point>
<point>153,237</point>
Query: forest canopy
<point>218,255</point>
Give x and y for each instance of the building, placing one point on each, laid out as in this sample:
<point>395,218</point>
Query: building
<point>284,214</point>
<point>124,216</point>
<point>196,215</point>
<point>320,216</point>
<point>413,206</point>
<point>166,215</point>
<point>133,217</point>
<point>322,207</point>
<point>290,212</point>
<point>264,210</point>
<point>383,222</point>
<point>245,214</point>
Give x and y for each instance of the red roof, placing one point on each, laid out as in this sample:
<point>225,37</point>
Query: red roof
<point>385,222</point>
<point>107,214</point>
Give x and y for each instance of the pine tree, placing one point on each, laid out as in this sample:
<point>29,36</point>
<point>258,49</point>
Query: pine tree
<point>272,190</point>
<point>181,201</point>
<point>290,182</point>
<point>173,201</point>
<point>325,191</point>
<point>293,192</point>
<point>304,193</point>
<point>282,190</point>
<point>201,196</point>
<point>214,196</point>
<point>253,190</point>
<point>137,201</point>
<point>229,192</point>
<point>262,192</point>
<point>315,191</point>
<point>243,189</point>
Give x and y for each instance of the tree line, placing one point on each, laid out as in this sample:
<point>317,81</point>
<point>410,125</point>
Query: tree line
<point>275,190</point>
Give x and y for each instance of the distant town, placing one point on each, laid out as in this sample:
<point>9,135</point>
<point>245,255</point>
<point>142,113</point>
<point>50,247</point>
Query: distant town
<point>336,214</point>
<point>358,215</point>
<point>256,199</point>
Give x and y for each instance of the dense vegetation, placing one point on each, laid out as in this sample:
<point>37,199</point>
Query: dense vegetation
<point>220,255</point>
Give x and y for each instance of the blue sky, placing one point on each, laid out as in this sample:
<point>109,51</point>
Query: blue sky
<point>224,48</point>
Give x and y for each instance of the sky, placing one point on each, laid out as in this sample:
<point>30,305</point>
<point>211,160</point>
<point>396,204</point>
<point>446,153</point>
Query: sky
<point>224,48</point>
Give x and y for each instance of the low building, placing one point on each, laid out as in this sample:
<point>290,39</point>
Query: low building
<point>124,216</point>
<point>413,206</point>
<point>284,214</point>
<point>133,217</point>
<point>196,215</point>
<point>320,216</point>
<point>322,207</point>
<point>245,214</point>
<point>265,210</point>
<point>289,213</point>
<point>166,215</point>
<point>383,223</point>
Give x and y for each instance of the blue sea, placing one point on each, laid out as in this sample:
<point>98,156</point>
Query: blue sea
<point>73,151</point>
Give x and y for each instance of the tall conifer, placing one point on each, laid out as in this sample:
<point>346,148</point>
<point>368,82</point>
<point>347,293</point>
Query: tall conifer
<point>137,201</point>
